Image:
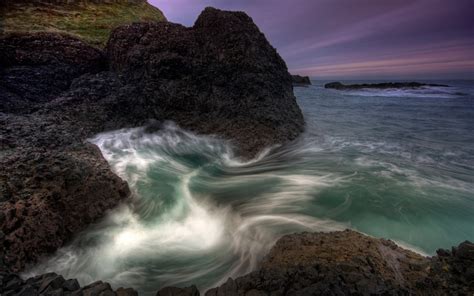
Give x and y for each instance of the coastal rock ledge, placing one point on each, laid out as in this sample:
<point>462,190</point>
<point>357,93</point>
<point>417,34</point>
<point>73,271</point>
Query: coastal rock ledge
<point>219,77</point>
<point>336,263</point>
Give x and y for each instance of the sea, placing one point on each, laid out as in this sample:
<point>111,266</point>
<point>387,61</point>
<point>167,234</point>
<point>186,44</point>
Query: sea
<point>393,163</point>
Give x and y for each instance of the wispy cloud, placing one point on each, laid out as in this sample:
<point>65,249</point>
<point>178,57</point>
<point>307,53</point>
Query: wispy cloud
<point>357,37</point>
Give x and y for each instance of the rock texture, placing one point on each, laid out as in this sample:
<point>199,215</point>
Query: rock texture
<point>349,263</point>
<point>53,284</point>
<point>337,263</point>
<point>219,77</point>
<point>385,85</point>
<point>38,67</point>
<point>300,80</point>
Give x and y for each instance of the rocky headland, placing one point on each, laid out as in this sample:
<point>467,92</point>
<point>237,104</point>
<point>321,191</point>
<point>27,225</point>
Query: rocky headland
<point>383,85</point>
<point>219,77</point>
<point>300,80</point>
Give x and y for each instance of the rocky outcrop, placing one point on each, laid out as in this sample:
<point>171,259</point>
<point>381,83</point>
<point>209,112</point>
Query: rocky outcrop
<point>219,77</point>
<point>384,85</point>
<point>300,80</point>
<point>337,263</point>
<point>38,67</point>
<point>349,263</point>
<point>53,284</point>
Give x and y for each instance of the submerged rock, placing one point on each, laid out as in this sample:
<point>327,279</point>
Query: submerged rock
<point>384,85</point>
<point>300,80</point>
<point>219,77</point>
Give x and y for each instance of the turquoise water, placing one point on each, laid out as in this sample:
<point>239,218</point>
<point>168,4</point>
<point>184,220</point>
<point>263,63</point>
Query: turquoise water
<point>397,164</point>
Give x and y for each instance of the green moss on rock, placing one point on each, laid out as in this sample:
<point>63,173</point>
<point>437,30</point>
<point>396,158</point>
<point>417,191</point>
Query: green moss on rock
<point>91,21</point>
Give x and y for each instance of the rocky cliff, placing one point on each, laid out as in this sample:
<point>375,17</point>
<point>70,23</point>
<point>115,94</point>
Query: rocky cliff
<point>219,77</point>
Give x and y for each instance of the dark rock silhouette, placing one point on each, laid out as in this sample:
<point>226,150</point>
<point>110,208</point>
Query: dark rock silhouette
<point>300,80</point>
<point>219,77</point>
<point>384,85</point>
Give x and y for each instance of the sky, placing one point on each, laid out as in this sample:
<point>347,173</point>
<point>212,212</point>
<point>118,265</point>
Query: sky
<point>430,39</point>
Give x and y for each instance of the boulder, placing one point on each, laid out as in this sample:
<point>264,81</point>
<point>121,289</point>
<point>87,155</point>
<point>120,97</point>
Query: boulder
<point>300,80</point>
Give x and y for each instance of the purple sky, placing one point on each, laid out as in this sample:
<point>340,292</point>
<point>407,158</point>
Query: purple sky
<point>357,38</point>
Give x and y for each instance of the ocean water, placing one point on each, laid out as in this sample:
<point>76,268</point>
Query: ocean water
<point>397,164</point>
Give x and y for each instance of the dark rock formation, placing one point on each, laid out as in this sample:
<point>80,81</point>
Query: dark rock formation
<point>36,68</point>
<point>300,80</point>
<point>337,263</point>
<point>219,77</point>
<point>349,263</point>
<point>384,85</point>
<point>53,284</point>
<point>173,291</point>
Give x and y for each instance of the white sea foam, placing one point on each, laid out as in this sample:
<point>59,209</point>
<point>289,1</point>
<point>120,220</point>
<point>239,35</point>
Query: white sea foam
<point>211,236</point>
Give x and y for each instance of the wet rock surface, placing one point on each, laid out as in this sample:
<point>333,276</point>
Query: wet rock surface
<point>384,85</point>
<point>350,263</point>
<point>336,263</point>
<point>219,77</point>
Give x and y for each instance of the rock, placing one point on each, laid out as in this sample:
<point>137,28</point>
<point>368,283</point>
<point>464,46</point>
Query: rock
<point>219,77</point>
<point>385,85</point>
<point>72,285</point>
<point>348,263</point>
<point>35,68</point>
<point>97,289</point>
<point>50,283</point>
<point>173,291</point>
<point>76,181</point>
<point>126,292</point>
<point>300,80</point>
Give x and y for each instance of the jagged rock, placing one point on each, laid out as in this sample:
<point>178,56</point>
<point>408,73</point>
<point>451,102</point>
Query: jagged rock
<point>384,85</point>
<point>300,80</point>
<point>349,263</point>
<point>51,284</point>
<point>219,77</point>
<point>35,68</point>
<point>173,291</point>
<point>126,292</point>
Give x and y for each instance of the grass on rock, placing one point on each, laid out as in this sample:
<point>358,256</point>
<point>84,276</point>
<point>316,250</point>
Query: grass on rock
<point>92,22</point>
